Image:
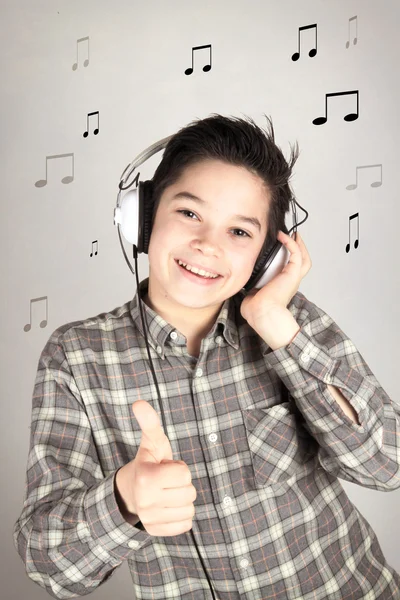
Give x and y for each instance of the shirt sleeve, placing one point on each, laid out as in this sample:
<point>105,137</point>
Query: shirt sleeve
<point>320,354</point>
<point>70,535</point>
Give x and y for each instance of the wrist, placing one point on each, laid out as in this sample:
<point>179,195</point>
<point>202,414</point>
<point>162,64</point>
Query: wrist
<point>129,516</point>
<point>279,328</point>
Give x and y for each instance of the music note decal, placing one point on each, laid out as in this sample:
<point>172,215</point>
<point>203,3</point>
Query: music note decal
<point>374,184</point>
<point>95,131</point>
<point>348,117</point>
<point>207,67</point>
<point>86,61</point>
<point>67,178</point>
<point>356,38</point>
<point>355,216</point>
<point>97,246</point>
<point>313,51</point>
<point>42,323</point>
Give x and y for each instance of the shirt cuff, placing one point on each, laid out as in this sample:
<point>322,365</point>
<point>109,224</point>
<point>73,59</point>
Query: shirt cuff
<point>301,358</point>
<point>106,523</point>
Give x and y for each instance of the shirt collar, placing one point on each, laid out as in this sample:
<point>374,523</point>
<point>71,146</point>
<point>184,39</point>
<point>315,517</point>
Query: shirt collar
<point>159,330</point>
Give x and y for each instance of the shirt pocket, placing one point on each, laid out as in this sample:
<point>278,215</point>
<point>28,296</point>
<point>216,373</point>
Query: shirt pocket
<point>279,446</point>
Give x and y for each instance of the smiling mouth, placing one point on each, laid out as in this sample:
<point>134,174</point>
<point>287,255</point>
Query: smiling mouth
<point>204,277</point>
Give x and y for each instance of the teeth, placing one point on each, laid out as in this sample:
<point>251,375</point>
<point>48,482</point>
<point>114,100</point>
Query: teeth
<point>198,271</point>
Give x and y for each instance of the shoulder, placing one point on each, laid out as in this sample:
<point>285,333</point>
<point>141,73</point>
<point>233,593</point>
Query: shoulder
<point>84,333</point>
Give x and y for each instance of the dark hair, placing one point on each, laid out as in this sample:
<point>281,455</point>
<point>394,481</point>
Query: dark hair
<point>235,141</point>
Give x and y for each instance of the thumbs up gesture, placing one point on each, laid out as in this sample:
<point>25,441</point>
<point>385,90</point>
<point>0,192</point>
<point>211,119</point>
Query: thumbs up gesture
<point>153,486</point>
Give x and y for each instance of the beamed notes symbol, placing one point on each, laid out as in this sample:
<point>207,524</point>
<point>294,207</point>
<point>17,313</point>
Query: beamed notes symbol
<point>313,51</point>
<point>97,129</point>
<point>374,184</point>
<point>355,39</point>
<point>93,246</point>
<point>349,117</point>
<point>356,242</point>
<point>87,60</point>
<point>67,178</point>
<point>207,67</point>
<point>43,323</point>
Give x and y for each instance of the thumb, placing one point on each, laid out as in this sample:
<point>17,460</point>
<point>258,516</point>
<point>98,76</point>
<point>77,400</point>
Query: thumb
<point>154,445</point>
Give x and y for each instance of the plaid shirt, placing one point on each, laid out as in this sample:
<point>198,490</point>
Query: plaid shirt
<point>264,440</point>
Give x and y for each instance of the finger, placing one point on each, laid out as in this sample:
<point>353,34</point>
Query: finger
<point>296,253</point>
<point>289,239</point>
<point>179,496</point>
<point>173,515</point>
<point>153,442</point>
<point>149,421</point>
<point>304,252</point>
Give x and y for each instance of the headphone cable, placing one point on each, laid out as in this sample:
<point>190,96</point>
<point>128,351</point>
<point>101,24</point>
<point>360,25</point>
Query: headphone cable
<point>144,319</point>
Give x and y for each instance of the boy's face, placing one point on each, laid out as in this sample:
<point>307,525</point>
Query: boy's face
<point>209,235</point>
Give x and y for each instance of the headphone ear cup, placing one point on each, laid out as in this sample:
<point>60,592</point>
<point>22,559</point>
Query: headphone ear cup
<point>271,262</point>
<point>259,269</point>
<point>146,210</point>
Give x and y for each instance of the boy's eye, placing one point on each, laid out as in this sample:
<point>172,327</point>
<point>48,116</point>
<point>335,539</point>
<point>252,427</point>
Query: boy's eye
<point>245,233</point>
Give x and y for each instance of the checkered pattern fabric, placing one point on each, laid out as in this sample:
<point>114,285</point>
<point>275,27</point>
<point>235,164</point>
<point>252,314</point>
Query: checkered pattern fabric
<point>264,439</point>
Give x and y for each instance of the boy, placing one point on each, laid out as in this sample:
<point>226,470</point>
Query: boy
<point>264,410</point>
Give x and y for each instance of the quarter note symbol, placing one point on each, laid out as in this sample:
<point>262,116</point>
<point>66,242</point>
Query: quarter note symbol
<point>356,38</point>
<point>207,67</point>
<point>348,117</point>
<point>67,179</point>
<point>355,216</point>
<point>42,323</point>
<point>313,51</point>
<point>86,61</point>
<point>95,131</point>
<point>374,184</point>
<point>97,246</point>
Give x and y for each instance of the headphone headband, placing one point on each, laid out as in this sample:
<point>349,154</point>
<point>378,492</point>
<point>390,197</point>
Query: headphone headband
<point>142,157</point>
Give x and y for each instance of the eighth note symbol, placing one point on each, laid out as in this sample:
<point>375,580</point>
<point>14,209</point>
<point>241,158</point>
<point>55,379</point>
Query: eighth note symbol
<point>95,131</point>
<point>95,242</point>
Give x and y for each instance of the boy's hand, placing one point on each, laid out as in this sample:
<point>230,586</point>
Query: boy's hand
<point>278,292</point>
<point>153,486</point>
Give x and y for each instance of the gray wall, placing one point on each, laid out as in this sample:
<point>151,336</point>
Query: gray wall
<point>135,78</point>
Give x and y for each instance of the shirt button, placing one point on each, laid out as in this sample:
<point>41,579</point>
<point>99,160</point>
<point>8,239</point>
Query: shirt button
<point>212,437</point>
<point>133,544</point>
<point>227,500</point>
<point>159,349</point>
<point>199,372</point>
<point>244,563</point>
<point>218,339</point>
<point>305,357</point>
<point>174,335</point>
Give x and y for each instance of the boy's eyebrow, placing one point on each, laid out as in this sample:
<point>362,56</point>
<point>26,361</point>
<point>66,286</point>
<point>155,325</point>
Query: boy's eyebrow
<point>251,220</point>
